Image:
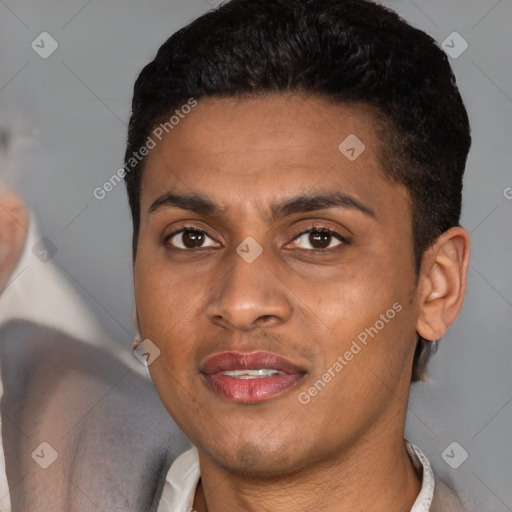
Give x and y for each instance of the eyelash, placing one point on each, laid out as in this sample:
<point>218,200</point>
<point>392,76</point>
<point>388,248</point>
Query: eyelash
<point>311,229</point>
<point>184,229</point>
<point>315,228</point>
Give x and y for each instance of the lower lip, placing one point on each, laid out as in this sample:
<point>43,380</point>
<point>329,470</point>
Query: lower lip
<point>250,391</point>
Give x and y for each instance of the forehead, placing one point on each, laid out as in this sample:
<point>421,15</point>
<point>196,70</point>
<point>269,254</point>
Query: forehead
<point>242,151</point>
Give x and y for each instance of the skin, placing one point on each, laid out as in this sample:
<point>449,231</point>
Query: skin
<point>13,234</point>
<point>307,303</point>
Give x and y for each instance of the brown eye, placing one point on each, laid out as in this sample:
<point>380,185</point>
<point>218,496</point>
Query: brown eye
<point>320,239</point>
<point>190,239</point>
<point>316,239</point>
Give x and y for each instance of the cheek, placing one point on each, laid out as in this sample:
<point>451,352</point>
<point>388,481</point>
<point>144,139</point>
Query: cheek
<point>167,304</point>
<point>170,305</point>
<point>365,306</point>
<point>163,297</point>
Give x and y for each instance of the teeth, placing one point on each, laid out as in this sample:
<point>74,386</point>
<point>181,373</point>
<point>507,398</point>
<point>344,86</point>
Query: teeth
<point>252,374</point>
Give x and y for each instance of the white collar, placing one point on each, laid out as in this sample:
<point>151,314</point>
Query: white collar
<point>181,483</point>
<point>183,477</point>
<point>422,466</point>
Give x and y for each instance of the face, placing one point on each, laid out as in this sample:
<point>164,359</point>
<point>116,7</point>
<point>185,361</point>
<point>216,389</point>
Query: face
<point>275,274</point>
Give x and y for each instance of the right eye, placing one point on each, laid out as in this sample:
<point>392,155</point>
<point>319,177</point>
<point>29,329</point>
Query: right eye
<point>189,238</point>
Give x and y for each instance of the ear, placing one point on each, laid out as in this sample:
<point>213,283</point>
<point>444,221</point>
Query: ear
<point>13,234</point>
<point>443,278</point>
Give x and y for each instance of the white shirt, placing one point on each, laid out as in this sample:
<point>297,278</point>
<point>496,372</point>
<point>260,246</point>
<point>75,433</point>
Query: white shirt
<point>183,476</point>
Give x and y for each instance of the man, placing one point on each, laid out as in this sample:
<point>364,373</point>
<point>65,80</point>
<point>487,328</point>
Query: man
<point>294,170</point>
<point>80,429</point>
<point>13,219</point>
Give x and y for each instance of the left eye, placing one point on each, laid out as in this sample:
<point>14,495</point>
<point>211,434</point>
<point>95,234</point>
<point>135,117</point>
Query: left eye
<point>190,239</point>
<point>318,239</point>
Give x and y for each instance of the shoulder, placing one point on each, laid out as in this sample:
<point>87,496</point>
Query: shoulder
<point>445,499</point>
<point>112,438</point>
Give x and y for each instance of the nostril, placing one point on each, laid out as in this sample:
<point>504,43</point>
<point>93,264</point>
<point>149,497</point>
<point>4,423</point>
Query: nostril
<point>265,318</point>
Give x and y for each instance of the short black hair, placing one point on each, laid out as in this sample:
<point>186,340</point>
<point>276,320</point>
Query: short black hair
<point>344,51</point>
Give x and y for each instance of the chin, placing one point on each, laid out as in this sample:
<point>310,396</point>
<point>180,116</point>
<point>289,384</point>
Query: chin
<point>261,459</point>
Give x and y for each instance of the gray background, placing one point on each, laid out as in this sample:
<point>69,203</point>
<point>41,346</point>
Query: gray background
<point>69,112</point>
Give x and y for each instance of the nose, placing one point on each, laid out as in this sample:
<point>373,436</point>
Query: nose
<point>249,296</point>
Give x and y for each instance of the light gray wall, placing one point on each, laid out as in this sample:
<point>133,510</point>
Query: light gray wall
<point>71,110</point>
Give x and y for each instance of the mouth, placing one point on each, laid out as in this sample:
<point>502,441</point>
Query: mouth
<point>250,377</point>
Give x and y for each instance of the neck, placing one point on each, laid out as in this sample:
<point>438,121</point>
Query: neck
<point>375,474</point>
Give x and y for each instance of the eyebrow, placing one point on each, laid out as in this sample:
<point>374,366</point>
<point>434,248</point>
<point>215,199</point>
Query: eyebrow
<point>308,203</point>
<point>192,202</point>
<point>299,204</point>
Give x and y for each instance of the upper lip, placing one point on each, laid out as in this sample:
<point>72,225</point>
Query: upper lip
<point>228,361</point>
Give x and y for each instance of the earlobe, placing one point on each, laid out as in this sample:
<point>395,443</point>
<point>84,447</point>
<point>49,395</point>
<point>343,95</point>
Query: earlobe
<point>443,283</point>
<point>13,234</point>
